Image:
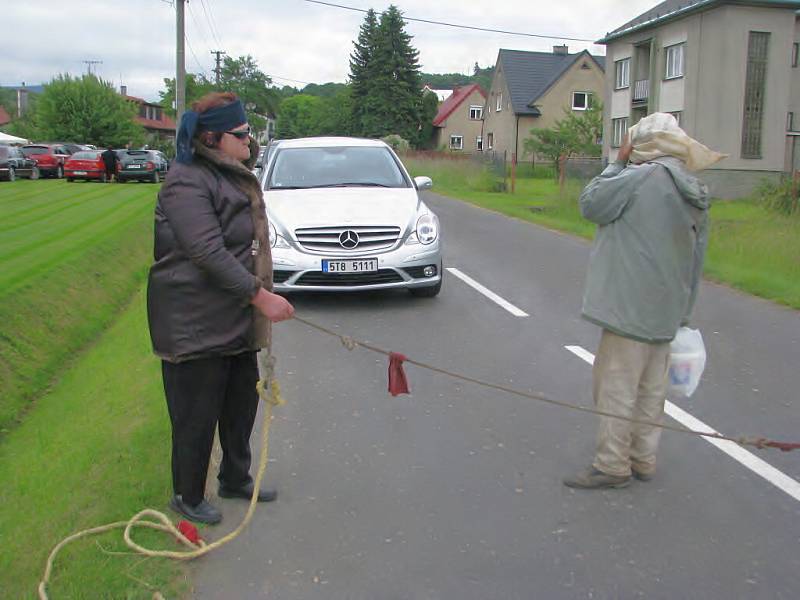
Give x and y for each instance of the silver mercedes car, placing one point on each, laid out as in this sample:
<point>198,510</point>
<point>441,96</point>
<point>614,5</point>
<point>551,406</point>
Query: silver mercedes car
<point>345,216</point>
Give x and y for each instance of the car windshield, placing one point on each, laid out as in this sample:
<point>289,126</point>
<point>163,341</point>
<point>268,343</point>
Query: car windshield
<point>33,150</point>
<point>340,166</point>
<point>85,155</point>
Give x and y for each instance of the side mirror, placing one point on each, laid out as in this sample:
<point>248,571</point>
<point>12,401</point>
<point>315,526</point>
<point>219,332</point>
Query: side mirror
<point>423,183</point>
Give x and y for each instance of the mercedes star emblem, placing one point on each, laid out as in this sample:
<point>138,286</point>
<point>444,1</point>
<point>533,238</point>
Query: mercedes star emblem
<point>348,239</point>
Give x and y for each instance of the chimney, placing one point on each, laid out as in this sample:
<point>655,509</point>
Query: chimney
<point>561,50</point>
<point>123,89</point>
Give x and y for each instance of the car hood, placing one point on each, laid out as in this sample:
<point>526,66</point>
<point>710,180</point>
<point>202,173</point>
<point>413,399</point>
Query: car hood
<point>292,209</point>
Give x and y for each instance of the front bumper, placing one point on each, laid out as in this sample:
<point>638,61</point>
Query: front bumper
<point>83,174</point>
<point>401,268</point>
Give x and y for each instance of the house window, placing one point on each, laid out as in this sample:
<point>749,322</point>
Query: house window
<point>754,89</point>
<point>476,112</point>
<point>622,75</point>
<point>499,105</point>
<point>479,144</point>
<point>620,129</point>
<point>456,142</point>
<point>674,61</point>
<point>677,114</point>
<point>795,52</point>
<point>790,122</point>
<point>489,141</point>
<point>581,100</point>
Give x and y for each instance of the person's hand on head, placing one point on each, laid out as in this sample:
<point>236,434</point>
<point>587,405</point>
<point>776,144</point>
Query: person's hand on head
<point>625,150</point>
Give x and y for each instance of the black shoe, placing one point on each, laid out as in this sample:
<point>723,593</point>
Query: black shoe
<point>246,492</point>
<point>201,513</point>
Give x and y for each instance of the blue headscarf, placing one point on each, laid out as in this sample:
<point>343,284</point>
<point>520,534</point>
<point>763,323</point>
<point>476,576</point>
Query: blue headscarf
<point>220,118</point>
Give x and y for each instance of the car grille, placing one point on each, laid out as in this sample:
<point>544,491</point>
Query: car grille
<point>326,239</point>
<point>281,276</point>
<point>350,279</point>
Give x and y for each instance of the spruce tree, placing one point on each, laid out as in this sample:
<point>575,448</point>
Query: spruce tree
<point>361,65</point>
<point>394,101</point>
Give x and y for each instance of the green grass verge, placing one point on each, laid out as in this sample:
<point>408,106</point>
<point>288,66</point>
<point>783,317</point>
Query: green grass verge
<point>94,450</point>
<point>750,248</point>
<point>71,256</point>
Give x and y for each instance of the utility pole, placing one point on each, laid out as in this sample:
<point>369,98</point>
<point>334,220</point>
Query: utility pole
<point>89,64</point>
<point>180,63</point>
<point>218,61</point>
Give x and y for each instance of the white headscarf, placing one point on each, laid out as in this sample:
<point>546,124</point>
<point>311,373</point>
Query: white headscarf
<point>659,135</point>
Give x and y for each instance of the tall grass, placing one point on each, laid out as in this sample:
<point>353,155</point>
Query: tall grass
<point>750,247</point>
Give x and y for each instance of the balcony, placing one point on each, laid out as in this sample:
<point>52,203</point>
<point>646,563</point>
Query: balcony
<point>641,90</point>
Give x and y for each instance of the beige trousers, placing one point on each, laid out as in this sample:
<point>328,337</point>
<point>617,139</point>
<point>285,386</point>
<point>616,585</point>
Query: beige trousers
<point>629,379</point>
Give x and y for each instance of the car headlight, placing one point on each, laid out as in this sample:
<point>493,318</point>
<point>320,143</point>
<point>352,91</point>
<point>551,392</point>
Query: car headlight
<point>275,240</point>
<point>427,228</point>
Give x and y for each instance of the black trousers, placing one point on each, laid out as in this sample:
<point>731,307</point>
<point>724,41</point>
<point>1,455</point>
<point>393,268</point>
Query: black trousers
<point>202,394</point>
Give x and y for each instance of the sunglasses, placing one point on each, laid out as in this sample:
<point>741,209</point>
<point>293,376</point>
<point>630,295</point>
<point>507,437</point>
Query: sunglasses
<point>242,134</point>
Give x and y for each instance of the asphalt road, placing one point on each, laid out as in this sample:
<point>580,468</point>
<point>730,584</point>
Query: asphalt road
<point>454,492</point>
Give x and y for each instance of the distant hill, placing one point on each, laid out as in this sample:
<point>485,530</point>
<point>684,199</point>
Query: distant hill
<point>448,81</point>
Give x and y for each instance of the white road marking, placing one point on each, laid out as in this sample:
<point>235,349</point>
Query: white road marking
<point>488,293</point>
<point>735,451</point>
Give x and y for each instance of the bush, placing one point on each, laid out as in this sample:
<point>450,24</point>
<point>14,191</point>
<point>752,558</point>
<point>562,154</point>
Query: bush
<point>397,143</point>
<point>779,197</point>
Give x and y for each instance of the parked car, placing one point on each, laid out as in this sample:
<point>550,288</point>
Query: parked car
<point>72,148</point>
<point>50,158</point>
<point>141,165</point>
<point>14,163</point>
<point>85,165</point>
<point>345,215</point>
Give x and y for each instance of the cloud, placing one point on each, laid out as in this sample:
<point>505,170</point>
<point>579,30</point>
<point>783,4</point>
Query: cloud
<point>288,38</point>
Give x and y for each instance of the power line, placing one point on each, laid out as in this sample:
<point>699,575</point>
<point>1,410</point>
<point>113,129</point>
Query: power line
<point>430,22</point>
<point>210,20</point>
<point>289,79</point>
<point>191,50</point>
<point>218,61</point>
<point>197,25</point>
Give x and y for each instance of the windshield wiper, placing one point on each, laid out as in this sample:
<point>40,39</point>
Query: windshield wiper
<point>352,184</point>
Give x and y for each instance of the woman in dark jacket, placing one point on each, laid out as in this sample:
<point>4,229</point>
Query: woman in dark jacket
<point>209,301</point>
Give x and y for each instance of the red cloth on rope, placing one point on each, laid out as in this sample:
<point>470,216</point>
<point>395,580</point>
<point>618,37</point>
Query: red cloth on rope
<point>782,446</point>
<point>190,532</point>
<point>398,384</point>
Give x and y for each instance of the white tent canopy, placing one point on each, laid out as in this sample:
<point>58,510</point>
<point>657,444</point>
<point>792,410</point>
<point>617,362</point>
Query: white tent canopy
<point>11,139</point>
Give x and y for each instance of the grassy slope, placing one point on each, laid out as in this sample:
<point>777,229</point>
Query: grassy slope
<point>71,255</point>
<point>749,248</point>
<point>92,445</point>
<point>94,450</point>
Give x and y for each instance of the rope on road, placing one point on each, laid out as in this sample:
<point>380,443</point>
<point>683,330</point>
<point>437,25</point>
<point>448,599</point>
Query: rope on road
<point>757,442</point>
<point>269,391</point>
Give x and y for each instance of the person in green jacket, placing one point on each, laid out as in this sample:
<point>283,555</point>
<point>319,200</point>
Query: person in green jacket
<point>644,271</point>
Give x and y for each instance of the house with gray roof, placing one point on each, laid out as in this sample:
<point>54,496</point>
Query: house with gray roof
<point>727,69</point>
<point>532,90</point>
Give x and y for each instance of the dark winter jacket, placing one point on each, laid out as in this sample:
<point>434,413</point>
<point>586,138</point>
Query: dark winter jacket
<point>649,249</point>
<point>212,255</point>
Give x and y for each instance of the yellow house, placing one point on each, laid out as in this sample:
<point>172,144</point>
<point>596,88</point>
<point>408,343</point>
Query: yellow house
<point>532,90</point>
<point>459,120</point>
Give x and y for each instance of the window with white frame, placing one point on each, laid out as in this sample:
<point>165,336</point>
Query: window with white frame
<point>489,141</point>
<point>499,106</point>
<point>456,142</point>
<point>475,112</point>
<point>620,129</point>
<point>479,143</point>
<point>795,53</point>
<point>622,73</point>
<point>674,61</point>
<point>581,100</point>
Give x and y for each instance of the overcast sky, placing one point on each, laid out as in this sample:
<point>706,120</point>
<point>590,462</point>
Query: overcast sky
<point>290,39</point>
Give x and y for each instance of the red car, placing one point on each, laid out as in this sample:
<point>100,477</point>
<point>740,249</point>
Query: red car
<point>86,164</point>
<point>50,158</point>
